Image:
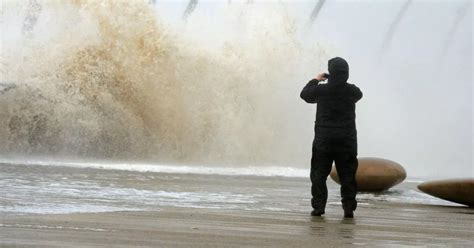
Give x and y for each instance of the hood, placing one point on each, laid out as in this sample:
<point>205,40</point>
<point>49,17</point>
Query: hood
<point>338,71</point>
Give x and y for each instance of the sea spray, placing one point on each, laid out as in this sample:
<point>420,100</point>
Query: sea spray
<point>110,80</point>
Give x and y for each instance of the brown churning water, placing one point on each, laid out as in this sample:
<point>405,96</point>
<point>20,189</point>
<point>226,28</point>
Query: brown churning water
<point>110,80</point>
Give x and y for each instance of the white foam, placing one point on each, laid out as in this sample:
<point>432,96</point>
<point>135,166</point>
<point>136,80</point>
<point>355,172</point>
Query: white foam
<point>179,169</point>
<point>414,180</point>
<point>65,196</point>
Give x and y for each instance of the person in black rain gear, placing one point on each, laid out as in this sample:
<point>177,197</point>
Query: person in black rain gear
<point>335,137</point>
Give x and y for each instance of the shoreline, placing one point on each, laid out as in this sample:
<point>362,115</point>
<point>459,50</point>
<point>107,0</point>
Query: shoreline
<point>183,169</point>
<point>182,210</point>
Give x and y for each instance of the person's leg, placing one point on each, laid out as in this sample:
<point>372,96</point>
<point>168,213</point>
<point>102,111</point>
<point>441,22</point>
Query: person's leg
<point>321,163</point>
<point>346,165</point>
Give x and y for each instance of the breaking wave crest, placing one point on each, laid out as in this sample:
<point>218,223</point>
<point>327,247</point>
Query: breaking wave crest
<point>109,79</point>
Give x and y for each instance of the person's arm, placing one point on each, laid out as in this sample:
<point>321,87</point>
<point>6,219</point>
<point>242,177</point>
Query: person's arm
<point>358,94</point>
<point>311,91</point>
<point>308,94</point>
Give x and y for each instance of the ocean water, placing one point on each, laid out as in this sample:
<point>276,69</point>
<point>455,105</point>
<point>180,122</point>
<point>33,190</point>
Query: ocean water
<point>55,188</point>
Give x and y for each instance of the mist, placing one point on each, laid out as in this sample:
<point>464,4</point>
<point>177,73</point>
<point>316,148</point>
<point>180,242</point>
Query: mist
<point>220,85</point>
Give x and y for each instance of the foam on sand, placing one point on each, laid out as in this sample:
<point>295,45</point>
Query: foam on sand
<point>178,169</point>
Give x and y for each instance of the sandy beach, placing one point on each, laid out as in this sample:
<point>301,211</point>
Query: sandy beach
<point>54,206</point>
<point>387,225</point>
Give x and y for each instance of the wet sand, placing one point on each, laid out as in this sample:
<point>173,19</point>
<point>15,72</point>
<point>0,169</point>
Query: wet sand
<point>383,224</point>
<point>55,206</point>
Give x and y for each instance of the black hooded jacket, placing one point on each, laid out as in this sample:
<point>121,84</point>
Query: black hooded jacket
<point>335,128</point>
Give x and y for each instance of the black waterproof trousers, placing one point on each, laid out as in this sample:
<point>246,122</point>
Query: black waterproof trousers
<point>346,165</point>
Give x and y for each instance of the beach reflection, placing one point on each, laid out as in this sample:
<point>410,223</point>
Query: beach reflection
<point>331,227</point>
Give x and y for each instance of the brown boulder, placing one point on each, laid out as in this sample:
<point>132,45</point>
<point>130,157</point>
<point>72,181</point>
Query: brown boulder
<point>375,174</point>
<point>456,190</point>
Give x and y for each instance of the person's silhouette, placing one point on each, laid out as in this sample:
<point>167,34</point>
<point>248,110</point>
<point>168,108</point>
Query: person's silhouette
<point>335,138</point>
